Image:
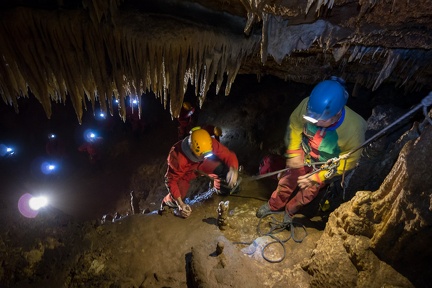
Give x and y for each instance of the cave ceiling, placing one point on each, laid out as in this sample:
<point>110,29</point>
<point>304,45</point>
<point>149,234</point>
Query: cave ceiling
<point>90,53</point>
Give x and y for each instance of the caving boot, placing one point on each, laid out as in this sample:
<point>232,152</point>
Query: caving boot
<point>263,211</point>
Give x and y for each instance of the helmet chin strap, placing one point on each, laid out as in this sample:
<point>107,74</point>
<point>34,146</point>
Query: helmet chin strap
<point>338,117</point>
<point>188,152</point>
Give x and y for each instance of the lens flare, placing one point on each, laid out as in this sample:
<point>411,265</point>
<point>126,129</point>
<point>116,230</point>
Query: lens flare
<point>24,207</point>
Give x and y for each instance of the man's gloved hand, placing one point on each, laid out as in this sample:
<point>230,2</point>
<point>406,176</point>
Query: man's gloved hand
<point>295,162</point>
<point>232,177</point>
<point>216,181</point>
<point>305,181</point>
<point>185,210</point>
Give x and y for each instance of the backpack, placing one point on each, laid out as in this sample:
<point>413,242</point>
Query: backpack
<point>271,163</point>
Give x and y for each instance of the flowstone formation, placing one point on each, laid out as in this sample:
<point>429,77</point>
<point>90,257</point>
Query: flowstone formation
<point>379,237</point>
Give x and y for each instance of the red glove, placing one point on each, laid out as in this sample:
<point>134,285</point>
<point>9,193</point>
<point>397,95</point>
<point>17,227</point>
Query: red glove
<point>216,181</point>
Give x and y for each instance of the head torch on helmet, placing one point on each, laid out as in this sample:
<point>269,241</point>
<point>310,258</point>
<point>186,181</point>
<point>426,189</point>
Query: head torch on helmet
<point>315,117</point>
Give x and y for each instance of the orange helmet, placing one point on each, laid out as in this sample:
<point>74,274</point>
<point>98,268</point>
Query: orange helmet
<point>217,131</point>
<point>200,142</point>
<point>187,106</point>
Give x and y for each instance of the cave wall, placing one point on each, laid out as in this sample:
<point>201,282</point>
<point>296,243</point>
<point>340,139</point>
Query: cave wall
<point>70,51</point>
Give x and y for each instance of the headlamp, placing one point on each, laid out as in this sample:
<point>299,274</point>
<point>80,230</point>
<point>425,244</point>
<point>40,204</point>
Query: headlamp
<point>310,119</point>
<point>207,154</point>
<point>314,117</point>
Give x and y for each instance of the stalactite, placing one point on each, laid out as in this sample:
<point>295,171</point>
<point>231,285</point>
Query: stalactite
<point>391,62</point>
<point>283,38</point>
<point>254,10</point>
<point>320,3</point>
<point>339,52</point>
<point>264,39</point>
<point>72,59</point>
<point>399,65</point>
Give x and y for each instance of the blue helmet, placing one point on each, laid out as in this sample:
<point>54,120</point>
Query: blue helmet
<point>326,100</point>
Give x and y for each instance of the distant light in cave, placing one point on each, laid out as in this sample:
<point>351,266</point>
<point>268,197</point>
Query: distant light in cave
<point>90,135</point>
<point>6,151</point>
<point>52,136</point>
<point>48,168</point>
<point>36,203</point>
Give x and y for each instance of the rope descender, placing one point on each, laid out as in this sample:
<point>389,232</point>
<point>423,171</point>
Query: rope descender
<point>330,165</point>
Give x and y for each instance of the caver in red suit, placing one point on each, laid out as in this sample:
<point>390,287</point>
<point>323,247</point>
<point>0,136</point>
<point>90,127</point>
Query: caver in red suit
<point>93,150</point>
<point>185,119</point>
<point>188,156</point>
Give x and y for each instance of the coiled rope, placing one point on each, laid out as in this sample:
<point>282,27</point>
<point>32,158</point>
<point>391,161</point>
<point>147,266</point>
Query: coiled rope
<point>277,227</point>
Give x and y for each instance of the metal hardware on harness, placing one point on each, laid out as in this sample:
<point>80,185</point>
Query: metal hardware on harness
<point>331,165</point>
<point>330,173</point>
<point>308,160</point>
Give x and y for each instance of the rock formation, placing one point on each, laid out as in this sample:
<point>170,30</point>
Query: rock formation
<point>379,229</point>
<point>103,51</point>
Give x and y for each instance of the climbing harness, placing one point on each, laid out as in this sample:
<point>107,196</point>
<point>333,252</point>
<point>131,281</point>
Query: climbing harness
<point>332,164</point>
<point>277,227</point>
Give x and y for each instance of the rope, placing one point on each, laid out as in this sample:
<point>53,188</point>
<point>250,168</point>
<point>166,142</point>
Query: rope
<point>257,177</point>
<point>276,227</point>
<point>427,101</point>
<point>334,162</point>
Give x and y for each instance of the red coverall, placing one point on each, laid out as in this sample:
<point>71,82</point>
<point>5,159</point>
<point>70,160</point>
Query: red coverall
<point>92,150</point>
<point>185,121</point>
<point>181,170</point>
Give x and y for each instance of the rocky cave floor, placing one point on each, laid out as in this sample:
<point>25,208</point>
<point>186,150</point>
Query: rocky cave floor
<point>151,250</point>
<point>67,244</point>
